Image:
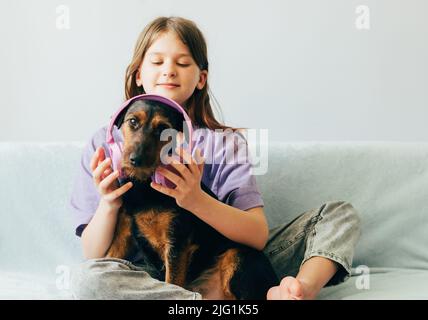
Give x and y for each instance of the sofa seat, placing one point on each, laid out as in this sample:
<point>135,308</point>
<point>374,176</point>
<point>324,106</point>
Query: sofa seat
<point>383,283</point>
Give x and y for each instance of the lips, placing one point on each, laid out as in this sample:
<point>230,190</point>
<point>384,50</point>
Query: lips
<point>169,85</point>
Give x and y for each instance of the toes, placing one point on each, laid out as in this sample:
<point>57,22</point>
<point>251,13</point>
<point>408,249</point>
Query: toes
<point>273,294</point>
<point>287,280</point>
<point>289,289</point>
<point>292,288</point>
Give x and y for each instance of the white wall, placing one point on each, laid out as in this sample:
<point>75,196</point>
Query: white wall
<point>298,68</point>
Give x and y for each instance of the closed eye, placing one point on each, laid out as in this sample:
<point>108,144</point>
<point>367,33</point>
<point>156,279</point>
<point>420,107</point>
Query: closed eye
<point>179,64</point>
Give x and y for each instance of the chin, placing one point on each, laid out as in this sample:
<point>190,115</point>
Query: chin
<point>170,95</point>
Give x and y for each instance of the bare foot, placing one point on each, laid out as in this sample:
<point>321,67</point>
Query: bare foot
<point>290,288</point>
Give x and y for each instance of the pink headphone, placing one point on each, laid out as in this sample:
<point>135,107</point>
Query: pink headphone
<point>114,148</point>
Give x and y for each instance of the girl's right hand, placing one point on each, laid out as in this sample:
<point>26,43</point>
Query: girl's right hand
<point>106,180</point>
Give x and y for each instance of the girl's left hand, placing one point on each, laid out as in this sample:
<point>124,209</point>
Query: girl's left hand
<point>188,183</point>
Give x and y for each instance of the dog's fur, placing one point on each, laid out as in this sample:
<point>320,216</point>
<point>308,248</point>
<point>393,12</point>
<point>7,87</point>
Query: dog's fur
<point>177,247</point>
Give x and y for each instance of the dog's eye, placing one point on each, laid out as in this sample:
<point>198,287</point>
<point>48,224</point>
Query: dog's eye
<point>133,123</point>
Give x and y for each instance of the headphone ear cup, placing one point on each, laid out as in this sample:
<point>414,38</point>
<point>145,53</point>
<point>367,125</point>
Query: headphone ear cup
<point>114,152</point>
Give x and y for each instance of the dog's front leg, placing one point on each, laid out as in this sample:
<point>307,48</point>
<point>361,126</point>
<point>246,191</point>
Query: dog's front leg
<point>177,263</point>
<point>122,242</point>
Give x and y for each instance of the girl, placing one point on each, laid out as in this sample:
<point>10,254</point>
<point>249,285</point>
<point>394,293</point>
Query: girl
<point>314,250</point>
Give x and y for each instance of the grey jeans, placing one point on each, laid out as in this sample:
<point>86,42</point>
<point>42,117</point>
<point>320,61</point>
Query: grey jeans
<point>330,231</point>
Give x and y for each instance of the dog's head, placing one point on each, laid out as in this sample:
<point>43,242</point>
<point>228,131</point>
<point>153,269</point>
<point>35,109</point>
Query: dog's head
<point>142,125</point>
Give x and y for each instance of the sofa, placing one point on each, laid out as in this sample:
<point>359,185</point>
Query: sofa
<point>386,182</point>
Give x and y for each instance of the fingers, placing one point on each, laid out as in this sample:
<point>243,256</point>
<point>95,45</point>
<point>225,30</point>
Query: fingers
<point>195,165</point>
<point>100,169</point>
<point>105,183</point>
<point>169,192</point>
<point>170,176</point>
<point>184,154</point>
<point>200,161</point>
<point>179,138</point>
<point>101,154</point>
<point>94,159</point>
<point>118,192</point>
<point>106,173</point>
<point>181,168</point>
<point>179,149</point>
<point>104,177</point>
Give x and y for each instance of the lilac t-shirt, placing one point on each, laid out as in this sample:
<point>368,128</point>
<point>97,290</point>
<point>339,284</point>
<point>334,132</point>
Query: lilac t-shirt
<point>228,177</point>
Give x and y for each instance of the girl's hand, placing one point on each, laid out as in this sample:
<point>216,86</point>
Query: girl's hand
<point>188,183</point>
<point>105,180</point>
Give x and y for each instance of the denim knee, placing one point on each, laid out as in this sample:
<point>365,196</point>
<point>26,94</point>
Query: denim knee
<point>335,236</point>
<point>353,217</point>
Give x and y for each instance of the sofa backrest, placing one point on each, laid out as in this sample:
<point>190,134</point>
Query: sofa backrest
<point>386,182</point>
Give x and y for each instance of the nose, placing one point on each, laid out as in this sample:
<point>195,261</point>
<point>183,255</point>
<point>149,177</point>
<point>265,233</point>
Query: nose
<point>169,74</point>
<point>134,159</point>
<point>169,71</point>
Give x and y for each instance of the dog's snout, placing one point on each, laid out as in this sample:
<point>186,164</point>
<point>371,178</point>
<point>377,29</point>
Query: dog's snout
<point>135,160</point>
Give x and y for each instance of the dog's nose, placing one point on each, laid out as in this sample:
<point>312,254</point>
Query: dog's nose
<point>135,160</point>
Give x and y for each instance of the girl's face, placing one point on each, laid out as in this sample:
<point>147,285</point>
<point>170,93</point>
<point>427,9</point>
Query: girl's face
<point>169,70</point>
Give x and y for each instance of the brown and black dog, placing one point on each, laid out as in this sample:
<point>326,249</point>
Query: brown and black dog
<point>177,247</point>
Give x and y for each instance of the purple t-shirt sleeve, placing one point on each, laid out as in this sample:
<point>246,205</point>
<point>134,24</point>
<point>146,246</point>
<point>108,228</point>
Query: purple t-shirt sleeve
<point>85,197</point>
<point>231,181</point>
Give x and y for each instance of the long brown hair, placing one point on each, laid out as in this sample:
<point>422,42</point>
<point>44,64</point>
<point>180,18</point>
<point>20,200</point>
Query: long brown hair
<point>199,106</point>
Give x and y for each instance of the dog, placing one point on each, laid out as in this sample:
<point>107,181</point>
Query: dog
<point>177,247</point>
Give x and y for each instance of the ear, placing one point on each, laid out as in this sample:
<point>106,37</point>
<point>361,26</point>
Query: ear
<point>138,78</point>
<point>203,76</point>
